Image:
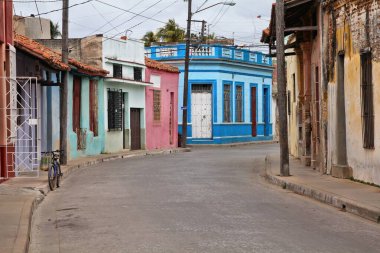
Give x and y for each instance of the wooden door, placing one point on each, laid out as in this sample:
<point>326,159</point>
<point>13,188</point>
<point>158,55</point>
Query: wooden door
<point>266,111</point>
<point>76,103</point>
<point>201,111</point>
<point>135,129</point>
<point>253,111</point>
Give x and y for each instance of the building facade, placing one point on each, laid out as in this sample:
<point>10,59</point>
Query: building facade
<point>229,94</point>
<point>161,105</point>
<point>41,97</point>
<point>332,59</point>
<point>7,71</point>
<point>124,89</point>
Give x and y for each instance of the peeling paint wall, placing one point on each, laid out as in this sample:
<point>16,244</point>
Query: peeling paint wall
<point>357,27</point>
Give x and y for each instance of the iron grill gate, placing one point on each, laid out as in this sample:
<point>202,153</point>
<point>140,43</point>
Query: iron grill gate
<point>22,141</point>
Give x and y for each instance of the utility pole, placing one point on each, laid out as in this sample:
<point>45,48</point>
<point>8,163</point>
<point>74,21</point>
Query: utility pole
<point>186,78</point>
<point>203,39</point>
<point>281,82</point>
<point>65,79</point>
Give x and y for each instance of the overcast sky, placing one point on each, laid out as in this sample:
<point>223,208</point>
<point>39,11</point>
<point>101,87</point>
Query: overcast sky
<point>240,21</point>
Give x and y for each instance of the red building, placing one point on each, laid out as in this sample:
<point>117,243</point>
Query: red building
<point>7,54</point>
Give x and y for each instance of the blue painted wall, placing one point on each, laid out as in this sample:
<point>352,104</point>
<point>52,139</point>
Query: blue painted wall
<point>216,71</point>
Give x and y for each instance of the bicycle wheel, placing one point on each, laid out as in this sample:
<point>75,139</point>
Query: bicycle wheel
<point>59,174</point>
<point>52,177</point>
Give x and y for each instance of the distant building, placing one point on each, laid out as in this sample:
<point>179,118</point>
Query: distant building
<point>32,27</point>
<point>230,92</point>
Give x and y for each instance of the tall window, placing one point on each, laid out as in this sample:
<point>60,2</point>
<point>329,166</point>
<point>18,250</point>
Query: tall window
<point>289,103</point>
<point>77,94</point>
<point>115,110</point>
<point>239,104</point>
<point>294,87</point>
<point>94,107</point>
<point>227,103</point>
<point>156,105</point>
<point>117,71</point>
<point>367,101</point>
<point>137,74</point>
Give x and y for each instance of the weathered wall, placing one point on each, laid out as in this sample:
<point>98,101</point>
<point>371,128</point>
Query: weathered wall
<point>157,133</point>
<point>292,69</point>
<point>356,28</point>
<point>56,45</point>
<point>32,27</point>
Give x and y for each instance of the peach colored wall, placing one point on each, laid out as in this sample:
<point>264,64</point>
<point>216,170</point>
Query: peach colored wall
<point>157,133</point>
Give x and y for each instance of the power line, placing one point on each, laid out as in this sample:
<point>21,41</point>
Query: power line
<point>55,10</point>
<point>134,6</point>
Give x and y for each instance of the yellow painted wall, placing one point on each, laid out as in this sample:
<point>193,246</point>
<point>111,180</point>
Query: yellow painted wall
<point>292,68</point>
<point>365,163</point>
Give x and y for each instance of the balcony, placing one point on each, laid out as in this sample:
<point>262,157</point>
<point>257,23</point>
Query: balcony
<point>177,52</point>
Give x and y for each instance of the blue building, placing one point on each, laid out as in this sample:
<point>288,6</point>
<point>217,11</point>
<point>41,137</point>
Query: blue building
<point>230,92</point>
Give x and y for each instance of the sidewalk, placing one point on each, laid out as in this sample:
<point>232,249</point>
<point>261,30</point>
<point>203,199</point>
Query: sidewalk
<point>19,197</point>
<point>356,198</point>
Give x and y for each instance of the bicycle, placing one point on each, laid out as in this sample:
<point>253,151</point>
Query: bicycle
<point>54,171</point>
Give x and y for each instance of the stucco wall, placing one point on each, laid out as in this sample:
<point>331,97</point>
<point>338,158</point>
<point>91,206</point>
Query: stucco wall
<point>32,27</point>
<point>350,37</point>
<point>292,69</point>
<point>134,98</point>
<point>94,144</point>
<point>157,133</point>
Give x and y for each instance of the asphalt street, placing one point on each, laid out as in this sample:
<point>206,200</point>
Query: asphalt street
<point>212,199</point>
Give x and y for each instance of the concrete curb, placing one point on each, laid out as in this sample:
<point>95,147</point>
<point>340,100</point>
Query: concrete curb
<point>354,207</point>
<point>22,241</point>
<point>237,144</point>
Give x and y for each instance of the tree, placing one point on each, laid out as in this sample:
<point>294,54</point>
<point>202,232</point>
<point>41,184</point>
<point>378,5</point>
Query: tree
<point>54,30</point>
<point>149,38</point>
<point>171,32</point>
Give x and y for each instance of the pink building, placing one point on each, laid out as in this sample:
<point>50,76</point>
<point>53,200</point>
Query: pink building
<point>161,105</point>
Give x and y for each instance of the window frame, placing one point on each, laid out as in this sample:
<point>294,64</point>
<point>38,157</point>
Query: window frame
<point>227,118</point>
<point>140,74</point>
<point>117,70</point>
<point>157,111</point>
<point>367,107</point>
<point>241,120</point>
<point>115,109</point>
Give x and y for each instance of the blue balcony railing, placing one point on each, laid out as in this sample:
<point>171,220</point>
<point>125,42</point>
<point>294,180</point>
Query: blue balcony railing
<point>175,52</point>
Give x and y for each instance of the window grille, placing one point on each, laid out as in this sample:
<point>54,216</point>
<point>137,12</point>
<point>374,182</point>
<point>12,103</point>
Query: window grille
<point>115,110</point>
<point>156,105</point>
<point>117,71</point>
<point>289,103</point>
<point>137,74</point>
<point>239,104</point>
<point>367,101</point>
<point>227,103</point>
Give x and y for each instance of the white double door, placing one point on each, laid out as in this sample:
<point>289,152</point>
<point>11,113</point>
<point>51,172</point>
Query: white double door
<point>201,111</point>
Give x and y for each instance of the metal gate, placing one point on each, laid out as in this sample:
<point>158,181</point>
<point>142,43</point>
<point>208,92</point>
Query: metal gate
<point>23,143</point>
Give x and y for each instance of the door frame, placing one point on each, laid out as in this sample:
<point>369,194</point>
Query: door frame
<point>253,85</point>
<point>130,123</point>
<point>266,108</point>
<point>214,108</point>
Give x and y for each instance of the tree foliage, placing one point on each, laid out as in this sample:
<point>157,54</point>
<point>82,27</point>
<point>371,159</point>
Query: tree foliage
<point>54,30</point>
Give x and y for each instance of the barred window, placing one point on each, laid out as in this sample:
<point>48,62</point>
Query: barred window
<point>117,71</point>
<point>156,105</point>
<point>289,103</point>
<point>115,110</point>
<point>137,74</point>
<point>367,101</point>
<point>227,103</point>
<point>239,104</point>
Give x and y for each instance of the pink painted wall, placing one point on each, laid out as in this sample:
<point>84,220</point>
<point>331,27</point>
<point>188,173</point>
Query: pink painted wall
<point>157,133</point>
